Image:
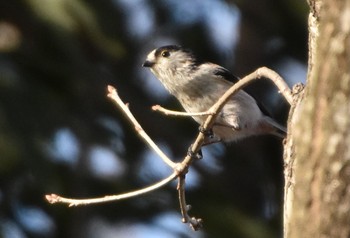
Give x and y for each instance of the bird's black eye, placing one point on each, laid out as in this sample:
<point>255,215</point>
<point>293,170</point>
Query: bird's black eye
<point>165,53</point>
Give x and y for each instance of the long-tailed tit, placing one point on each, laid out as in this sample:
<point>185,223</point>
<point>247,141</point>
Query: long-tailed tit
<point>199,85</point>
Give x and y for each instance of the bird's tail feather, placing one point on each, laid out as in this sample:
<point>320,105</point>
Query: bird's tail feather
<point>277,129</point>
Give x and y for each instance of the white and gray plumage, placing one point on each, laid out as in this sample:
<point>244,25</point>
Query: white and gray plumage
<point>199,85</point>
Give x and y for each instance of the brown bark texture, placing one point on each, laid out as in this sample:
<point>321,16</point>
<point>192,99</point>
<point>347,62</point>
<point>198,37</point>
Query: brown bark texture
<point>317,151</point>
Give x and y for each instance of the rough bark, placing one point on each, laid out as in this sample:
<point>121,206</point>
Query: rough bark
<point>317,172</point>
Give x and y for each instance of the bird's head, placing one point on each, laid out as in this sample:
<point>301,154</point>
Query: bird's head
<point>171,65</point>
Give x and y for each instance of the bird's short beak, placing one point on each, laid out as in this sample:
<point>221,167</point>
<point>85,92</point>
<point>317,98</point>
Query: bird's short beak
<point>148,63</point>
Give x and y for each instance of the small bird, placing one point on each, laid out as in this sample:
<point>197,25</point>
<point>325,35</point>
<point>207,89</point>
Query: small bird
<point>198,85</point>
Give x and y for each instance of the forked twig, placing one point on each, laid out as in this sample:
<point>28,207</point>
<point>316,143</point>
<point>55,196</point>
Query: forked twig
<point>180,169</point>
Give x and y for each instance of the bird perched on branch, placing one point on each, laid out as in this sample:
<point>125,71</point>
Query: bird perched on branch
<point>198,86</point>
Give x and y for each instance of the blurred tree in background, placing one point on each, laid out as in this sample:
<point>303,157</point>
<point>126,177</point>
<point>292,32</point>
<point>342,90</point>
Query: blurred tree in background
<point>60,134</point>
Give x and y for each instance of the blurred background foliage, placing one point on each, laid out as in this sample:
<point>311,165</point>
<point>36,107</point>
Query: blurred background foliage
<point>60,134</point>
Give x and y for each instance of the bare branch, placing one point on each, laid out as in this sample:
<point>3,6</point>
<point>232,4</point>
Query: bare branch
<point>277,80</point>
<point>112,93</point>
<point>215,109</point>
<point>177,113</point>
<point>195,223</point>
<point>182,198</point>
<point>180,169</point>
<point>257,74</point>
<point>53,198</point>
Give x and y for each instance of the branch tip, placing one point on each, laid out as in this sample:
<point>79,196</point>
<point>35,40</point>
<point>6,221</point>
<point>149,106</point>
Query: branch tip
<point>52,198</point>
<point>112,93</point>
<point>111,89</point>
<point>196,223</point>
<point>155,107</point>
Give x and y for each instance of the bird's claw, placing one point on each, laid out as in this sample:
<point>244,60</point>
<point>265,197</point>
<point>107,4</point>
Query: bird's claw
<point>196,156</point>
<point>206,132</point>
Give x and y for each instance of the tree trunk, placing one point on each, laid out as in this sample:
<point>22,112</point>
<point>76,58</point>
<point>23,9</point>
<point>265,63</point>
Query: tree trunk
<point>317,155</point>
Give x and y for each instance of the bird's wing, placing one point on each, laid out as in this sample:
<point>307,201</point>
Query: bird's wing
<point>225,74</point>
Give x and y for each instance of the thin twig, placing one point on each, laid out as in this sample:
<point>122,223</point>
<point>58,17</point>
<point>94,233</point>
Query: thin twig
<point>195,223</point>
<point>277,80</point>
<point>182,198</point>
<point>53,198</point>
<point>112,93</point>
<point>177,113</point>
